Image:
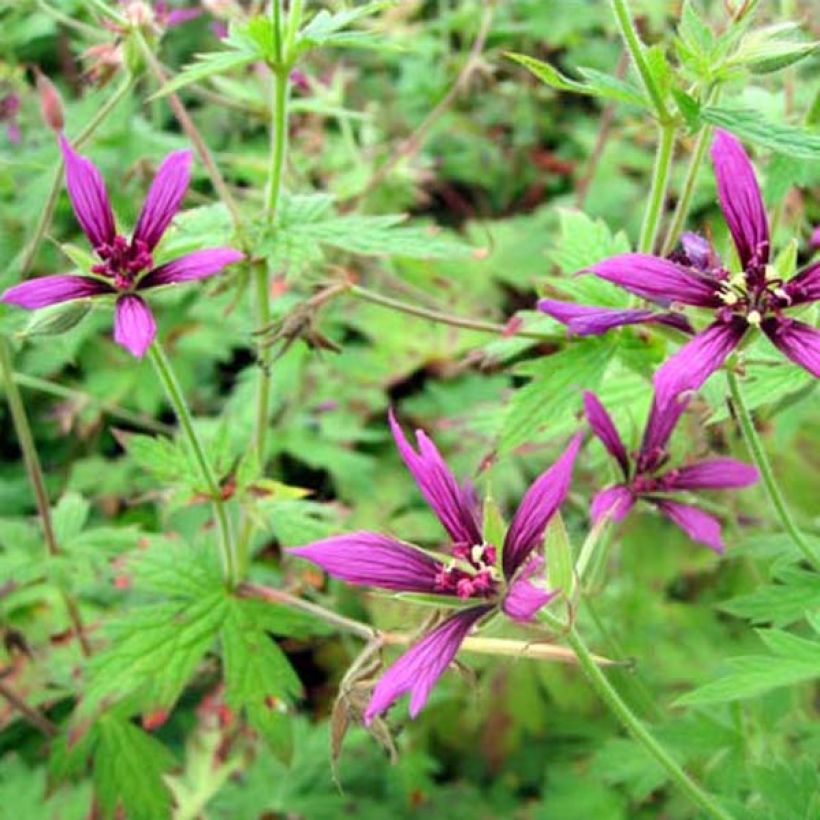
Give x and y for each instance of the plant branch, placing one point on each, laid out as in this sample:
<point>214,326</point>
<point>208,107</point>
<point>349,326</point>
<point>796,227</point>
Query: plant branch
<point>760,458</point>
<point>657,194</point>
<point>32,715</point>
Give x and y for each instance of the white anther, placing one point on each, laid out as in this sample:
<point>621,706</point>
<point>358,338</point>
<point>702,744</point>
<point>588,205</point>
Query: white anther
<point>729,298</point>
<point>753,317</point>
<point>477,554</point>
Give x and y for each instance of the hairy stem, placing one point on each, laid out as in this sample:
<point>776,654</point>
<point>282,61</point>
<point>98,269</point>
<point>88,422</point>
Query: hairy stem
<point>443,318</point>
<point>633,725</point>
<point>34,469</point>
<point>636,49</point>
<point>30,251</point>
<point>760,458</point>
<point>657,194</point>
<point>175,395</point>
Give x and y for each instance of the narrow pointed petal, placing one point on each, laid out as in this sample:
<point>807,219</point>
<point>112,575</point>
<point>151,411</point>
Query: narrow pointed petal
<point>797,341</point>
<point>805,286</point>
<point>49,290</point>
<point>524,598</point>
<point>89,198</point>
<point>604,428</point>
<point>586,320</point>
<point>698,525</point>
<point>418,669</point>
<point>178,17</point>
<point>658,279</point>
<point>713,473</point>
<point>454,505</point>
<point>613,502</point>
<point>195,265</point>
<point>692,365</point>
<point>663,417</point>
<point>134,325</point>
<point>740,199</point>
<point>699,252</point>
<point>539,504</point>
<point>370,559</point>
<point>164,198</point>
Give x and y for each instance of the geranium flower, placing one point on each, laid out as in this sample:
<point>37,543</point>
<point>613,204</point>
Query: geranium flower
<point>126,268</point>
<point>470,573</point>
<point>647,478</point>
<point>756,296</point>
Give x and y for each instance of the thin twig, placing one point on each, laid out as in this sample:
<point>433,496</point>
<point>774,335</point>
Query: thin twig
<point>35,718</point>
<point>412,144</point>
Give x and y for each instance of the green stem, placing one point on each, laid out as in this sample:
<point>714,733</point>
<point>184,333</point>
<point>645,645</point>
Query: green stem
<point>682,208</point>
<point>443,318</point>
<point>633,725</point>
<point>773,490</point>
<point>177,398</point>
<point>47,212</point>
<point>657,195</point>
<point>636,49</point>
<point>35,475</point>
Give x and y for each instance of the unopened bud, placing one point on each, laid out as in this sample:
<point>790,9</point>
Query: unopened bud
<point>51,104</point>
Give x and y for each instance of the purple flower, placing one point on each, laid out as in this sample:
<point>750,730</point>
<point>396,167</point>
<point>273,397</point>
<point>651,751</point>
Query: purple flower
<point>126,267</point>
<point>694,275</point>
<point>645,477</point>
<point>470,573</point>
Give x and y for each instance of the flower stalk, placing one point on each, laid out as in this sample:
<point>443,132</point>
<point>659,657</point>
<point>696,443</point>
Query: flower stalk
<point>168,379</point>
<point>34,469</point>
<point>758,453</point>
<point>639,732</point>
<point>660,183</point>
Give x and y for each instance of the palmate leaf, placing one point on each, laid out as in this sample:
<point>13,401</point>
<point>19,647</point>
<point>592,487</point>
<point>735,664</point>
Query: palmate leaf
<point>326,29</point>
<point>207,65</point>
<point>781,604</point>
<point>794,660</point>
<point>129,766</point>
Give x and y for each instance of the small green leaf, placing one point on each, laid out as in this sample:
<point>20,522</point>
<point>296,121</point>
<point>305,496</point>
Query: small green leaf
<point>207,65</point>
<point>786,262</point>
<point>69,517</point>
<point>558,553</point>
<point>57,319</point>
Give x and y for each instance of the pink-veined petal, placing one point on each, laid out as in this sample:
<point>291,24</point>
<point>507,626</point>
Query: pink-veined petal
<point>524,598</point>
<point>740,199</point>
<point>90,201</point>
<point>134,325</point>
<point>418,669</point>
<point>604,428</point>
<point>797,341</point>
<point>658,279</point>
<point>587,320</point>
<point>805,286</point>
<point>544,497</point>
<point>712,473</point>
<point>49,290</point>
<point>698,525</point>
<point>692,365</point>
<point>195,265</point>
<point>698,251</point>
<point>163,198</point>
<point>370,559</point>
<point>614,502</point>
<point>663,417</point>
<point>453,504</point>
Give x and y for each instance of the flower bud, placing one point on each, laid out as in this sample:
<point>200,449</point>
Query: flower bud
<point>51,104</point>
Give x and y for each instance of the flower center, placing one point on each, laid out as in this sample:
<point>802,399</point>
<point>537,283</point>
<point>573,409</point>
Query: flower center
<point>476,577</point>
<point>122,261</point>
<point>753,294</point>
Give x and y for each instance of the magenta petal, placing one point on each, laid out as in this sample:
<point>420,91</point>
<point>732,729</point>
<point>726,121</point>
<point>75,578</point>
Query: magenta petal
<point>692,365</point>
<point>796,340</point>
<point>178,17</point>
<point>660,280</point>
<point>164,198</point>
<point>539,504</point>
<point>699,251</point>
<point>740,199</point>
<point>604,428</point>
<point>586,320</point>
<point>134,325</point>
<point>663,416</point>
<point>195,265</point>
<point>613,502</point>
<point>714,473</point>
<point>49,290</point>
<point>454,505</point>
<point>698,525</point>
<point>89,198</point>
<point>370,559</point>
<point>418,669</point>
<point>805,286</point>
<point>524,598</point>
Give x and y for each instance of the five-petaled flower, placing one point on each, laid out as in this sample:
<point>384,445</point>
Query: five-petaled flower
<point>126,268</point>
<point>470,574</point>
<point>646,478</point>
<point>755,296</point>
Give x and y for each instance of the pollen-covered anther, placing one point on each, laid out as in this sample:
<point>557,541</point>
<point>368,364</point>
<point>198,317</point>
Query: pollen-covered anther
<point>730,298</point>
<point>738,280</point>
<point>753,317</point>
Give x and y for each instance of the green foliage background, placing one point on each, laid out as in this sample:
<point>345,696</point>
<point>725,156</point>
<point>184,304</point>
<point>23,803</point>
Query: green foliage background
<point>199,703</point>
